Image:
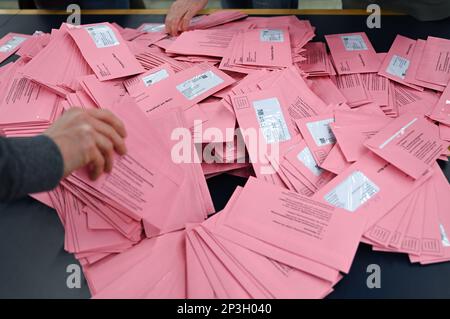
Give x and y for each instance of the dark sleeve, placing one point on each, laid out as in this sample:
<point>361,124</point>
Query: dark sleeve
<point>28,165</point>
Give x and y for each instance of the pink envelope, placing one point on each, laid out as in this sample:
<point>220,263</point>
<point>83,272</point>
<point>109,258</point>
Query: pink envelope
<point>220,119</point>
<point>441,111</point>
<point>138,84</point>
<point>377,86</point>
<point>301,158</point>
<point>318,135</point>
<point>183,89</point>
<point>104,49</point>
<point>397,61</point>
<point>444,132</point>
<point>326,90</point>
<point>263,118</point>
<point>351,137</point>
<point>197,283</point>
<point>278,221</point>
<point>202,42</point>
<point>352,53</point>
<point>272,278</point>
<point>434,63</point>
<point>352,88</point>
<point>410,142</point>
<point>63,78</point>
<point>302,101</point>
<point>415,65</point>
<point>167,253</point>
<point>10,43</point>
<point>335,161</point>
<point>267,47</point>
<point>365,188</point>
<point>384,232</point>
<point>317,62</point>
<point>329,274</point>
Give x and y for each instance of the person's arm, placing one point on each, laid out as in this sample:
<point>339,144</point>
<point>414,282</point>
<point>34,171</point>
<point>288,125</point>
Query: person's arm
<point>77,139</point>
<point>28,165</point>
<point>180,14</point>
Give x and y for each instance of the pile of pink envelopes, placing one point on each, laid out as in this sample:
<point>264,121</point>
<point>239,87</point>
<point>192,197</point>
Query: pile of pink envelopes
<point>339,144</point>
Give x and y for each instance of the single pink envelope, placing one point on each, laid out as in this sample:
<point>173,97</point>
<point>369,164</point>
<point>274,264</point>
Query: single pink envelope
<point>106,51</point>
<point>202,42</point>
<point>267,47</point>
<point>183,89</point>
<point>366,187</point>
<point>318,135</point>
<point>410,142</point>
<point>434,63</point>
<point>137,85</point>
<point>278,220</point>
<point>397,61</point>
<point>352,53</point>
<point>441,111</point>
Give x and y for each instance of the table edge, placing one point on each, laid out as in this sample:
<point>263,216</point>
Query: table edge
<point>206,11</point>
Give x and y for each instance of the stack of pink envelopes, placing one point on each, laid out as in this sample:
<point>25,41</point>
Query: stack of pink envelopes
<point>340,144</point>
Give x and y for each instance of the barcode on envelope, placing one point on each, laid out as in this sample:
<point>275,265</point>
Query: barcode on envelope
<point>321,132</point>
<point>271,120</point>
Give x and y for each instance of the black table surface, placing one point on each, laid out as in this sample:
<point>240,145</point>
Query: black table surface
<point>33,262</point>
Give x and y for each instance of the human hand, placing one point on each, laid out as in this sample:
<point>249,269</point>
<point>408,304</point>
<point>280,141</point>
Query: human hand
<point>88,138</point>
<point>180,14</point>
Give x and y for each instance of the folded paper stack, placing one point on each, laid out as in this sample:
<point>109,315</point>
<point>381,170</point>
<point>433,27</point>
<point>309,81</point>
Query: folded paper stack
<point>339,146</point>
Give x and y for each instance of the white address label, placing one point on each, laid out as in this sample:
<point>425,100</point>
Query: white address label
<point>270,35</point>
<point>398,66</point>
<point>352,192</point>
<point>155,77</point>
<point>306,157</point>
<point>103,36</point>
<point>153,27</point>
<point>354,42</point>
<point>321,132</point>
<point>11,44</point>
<point>199,84</point>
<point>271,120</point>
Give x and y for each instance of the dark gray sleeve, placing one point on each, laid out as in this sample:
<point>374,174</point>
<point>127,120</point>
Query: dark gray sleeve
<point>28,165</point>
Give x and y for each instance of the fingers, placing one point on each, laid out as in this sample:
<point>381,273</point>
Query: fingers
<point>109,118</point>
<point>109,132</point>
<point>186,20</point>
<point>173,18</point>
<point>97,164</point>
<point>106,148</point>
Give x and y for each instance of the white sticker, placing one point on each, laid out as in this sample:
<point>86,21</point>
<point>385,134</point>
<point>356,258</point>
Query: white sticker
<point>354,42</point>
<point>271,120</point>
<point>199,84</point>
<point>351,193</point>
<point>444,239</point>
<point>102,35</point>
<point>155,77</point>
<point>11,44</point>
<point>321,132</point>
<point>398,66</point>
<point>153,27</point>
<point>270,35</point>
<point>308,160</point>
<point>400,132</point>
